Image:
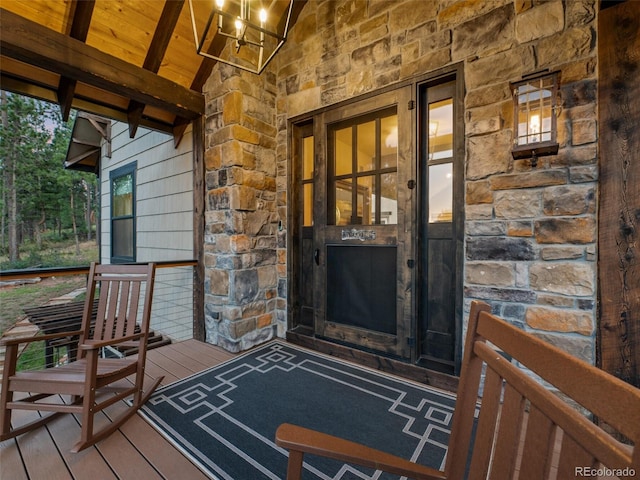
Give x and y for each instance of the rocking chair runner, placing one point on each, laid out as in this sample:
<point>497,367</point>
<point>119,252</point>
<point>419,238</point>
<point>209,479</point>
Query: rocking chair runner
<point>120,288</point>
<point>524,430</point>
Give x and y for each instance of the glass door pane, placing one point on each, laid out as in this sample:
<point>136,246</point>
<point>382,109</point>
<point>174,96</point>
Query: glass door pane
<point>441,130</point>
<point>441,193</point>
<point>440,160</point>
<point>343,151</point>
<point>373,143</point>
<point>308,157</point>
<point>365,139</point>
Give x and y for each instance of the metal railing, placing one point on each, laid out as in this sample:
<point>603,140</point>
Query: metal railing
<point>172,313</point>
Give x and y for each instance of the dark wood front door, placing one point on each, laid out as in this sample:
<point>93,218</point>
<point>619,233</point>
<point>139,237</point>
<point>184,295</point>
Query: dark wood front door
<point>377,223</point>
<point>361,211</point>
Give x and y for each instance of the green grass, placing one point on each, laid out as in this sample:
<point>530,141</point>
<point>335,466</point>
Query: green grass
<point>52,253</point>
<point>32,357</point>
<point>15,299</point>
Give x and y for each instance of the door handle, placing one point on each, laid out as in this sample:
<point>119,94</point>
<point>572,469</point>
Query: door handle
<point>316,256</point>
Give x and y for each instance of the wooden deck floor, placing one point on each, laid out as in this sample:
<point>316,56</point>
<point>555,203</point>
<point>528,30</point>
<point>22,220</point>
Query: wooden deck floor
<point>136,451</point>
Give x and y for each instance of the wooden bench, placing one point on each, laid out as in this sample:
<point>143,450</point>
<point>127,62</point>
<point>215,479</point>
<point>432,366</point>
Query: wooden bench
<point>524,428</point>
<point>63,317</point>
<point>67,317</point>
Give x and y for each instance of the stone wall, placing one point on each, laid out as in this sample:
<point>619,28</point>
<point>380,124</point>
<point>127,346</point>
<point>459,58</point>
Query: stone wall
<point>241,225</point>
<point>530,233</point>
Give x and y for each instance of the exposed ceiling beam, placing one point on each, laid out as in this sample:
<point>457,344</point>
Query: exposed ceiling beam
<point>81,13</point>
<point>161,37</point>
<point>29,89</point>
<point>204,71</point>
<point>34,44</point>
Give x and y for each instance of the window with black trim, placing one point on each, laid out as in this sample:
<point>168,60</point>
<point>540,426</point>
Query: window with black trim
<point>123,214</point>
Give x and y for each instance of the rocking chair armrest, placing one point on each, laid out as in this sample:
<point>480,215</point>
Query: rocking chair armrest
<point>96,344</point>
<point>39,338</point>
<point>304,440</point>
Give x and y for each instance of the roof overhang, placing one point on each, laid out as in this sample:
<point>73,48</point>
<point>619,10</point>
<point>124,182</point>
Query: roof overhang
<point>89,134</point>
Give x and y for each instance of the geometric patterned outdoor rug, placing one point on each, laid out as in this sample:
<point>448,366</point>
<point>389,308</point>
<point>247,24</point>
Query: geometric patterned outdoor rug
<point>224,418</point>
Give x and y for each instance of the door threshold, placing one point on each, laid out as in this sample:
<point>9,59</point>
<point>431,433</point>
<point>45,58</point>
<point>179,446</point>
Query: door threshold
<point>305,338</point>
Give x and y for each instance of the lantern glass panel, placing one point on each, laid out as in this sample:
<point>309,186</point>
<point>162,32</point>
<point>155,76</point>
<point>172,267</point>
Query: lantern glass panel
<point>535,110</point>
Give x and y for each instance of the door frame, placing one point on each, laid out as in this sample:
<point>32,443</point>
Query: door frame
<point>317,118</point>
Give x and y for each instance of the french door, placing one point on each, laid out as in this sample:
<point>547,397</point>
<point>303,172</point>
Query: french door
<point>373,232</point>
<point>361,210</point>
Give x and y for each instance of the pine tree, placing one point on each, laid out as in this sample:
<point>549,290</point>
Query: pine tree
<point>38,194</point>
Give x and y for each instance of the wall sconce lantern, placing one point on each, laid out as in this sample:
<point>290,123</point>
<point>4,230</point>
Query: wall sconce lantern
<point>257,33</point>
<point>535,112</point>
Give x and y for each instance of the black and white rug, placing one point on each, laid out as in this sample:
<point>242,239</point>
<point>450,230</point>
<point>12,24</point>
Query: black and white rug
<point>224,418</point>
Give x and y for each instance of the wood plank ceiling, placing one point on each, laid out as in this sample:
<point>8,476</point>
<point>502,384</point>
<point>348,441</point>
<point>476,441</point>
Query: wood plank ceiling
<point>128,60</point>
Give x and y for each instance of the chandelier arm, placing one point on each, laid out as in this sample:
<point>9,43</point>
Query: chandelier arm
<point>262,52</point>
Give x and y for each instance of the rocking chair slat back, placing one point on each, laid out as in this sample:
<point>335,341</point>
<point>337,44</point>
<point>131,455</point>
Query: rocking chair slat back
<point>118,305</point>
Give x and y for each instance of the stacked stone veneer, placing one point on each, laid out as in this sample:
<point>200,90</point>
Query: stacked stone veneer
<point>530,234</point>
<point>241,223</point>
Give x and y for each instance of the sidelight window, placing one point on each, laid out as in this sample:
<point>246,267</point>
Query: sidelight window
<point>440,160</point>
<point>307,180</point>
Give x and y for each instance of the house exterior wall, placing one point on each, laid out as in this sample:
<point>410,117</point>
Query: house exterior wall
<point>164,218</point>
<point>530,234</point>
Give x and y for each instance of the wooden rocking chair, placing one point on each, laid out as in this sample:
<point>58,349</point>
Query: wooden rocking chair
<point>118,288</point>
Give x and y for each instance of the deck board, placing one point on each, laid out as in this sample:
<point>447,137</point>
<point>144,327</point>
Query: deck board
<point>86,464</point>
<point>125,460</point>
<point>41,457</point>
<point>153,370</point>
<point>136,450</point>
<point>171,363</point>
<point>10,463</point>
<point>184,360</point>
<point>155,448</point>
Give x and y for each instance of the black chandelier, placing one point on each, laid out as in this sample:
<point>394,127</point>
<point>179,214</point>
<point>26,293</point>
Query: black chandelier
<point>256,31</point>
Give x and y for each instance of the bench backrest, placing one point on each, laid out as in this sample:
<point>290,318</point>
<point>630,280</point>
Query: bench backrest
<point>528,427</point>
